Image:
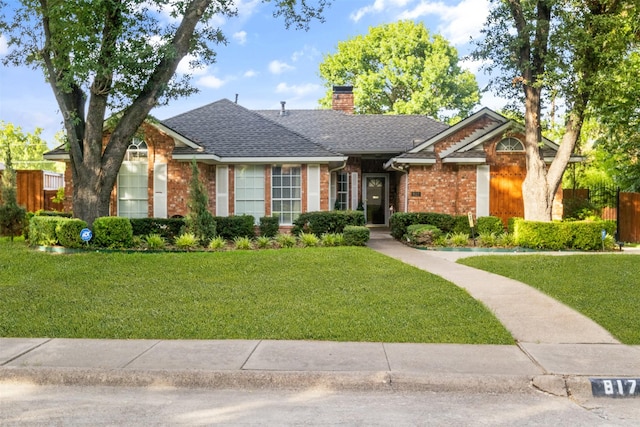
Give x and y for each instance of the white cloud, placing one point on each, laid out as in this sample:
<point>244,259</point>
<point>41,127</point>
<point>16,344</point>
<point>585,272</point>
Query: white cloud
<point>378,6</point>
<point>307,51</point>
<point>4,48</point>
<point>211,82</point>
<point>250,73</point>
<point>298,90</point>
<point>184,67</point>
<point>460,22</point>
<point>240,37</point>
<point>279,67</point>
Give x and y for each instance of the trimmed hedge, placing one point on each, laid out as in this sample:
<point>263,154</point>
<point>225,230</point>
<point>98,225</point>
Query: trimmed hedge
<point>423,234</point>
<point>489,224</point>
<point>168,228</point>
<point>399,222</point>
<point>576,235</point>
<point>42,230</point>
<point>326,222</point>
<point>112,232</point>
<point>68,232</point>
<point>269,226</point>
<point>230,227</point>
<point>356,235</point>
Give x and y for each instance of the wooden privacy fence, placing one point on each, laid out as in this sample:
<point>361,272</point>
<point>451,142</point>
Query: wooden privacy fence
<point>505,192</point>
<point>36,188</point>
<point>629,217</point>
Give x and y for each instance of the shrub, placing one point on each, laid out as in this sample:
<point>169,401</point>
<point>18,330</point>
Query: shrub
<point>187,241</point>
<point>511,223</point>
<point>68,232</point>
<point>285,240</point>
<point>506,240</point>
<point>443,240</point>
<point>422,234</point>
<point>323,222</point>
<point>155,241</point>
<point>12,215</point>
<point>42,230</point>
<point>263,242</point>
<point>168,228</point>
<point>399,221</point>
<point>242,243</point>
<point>217,243</point>
<point>330,239</point>
<point>355,235</point>
<point>53,213</point>
<point>580,235</point>
<point>199,220</point>
<point>309,240</point>
<point>339,239</point>
<point>461,225</point>
<point>230,227</point>
<point>487,240</point>
<point>112,232</point>
<point>269,226</point>
<point>459,239</point>
<point>489,224</point>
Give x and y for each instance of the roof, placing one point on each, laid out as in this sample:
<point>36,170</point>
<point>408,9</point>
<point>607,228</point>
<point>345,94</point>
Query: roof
<point>358,133</point>
<point>228,130</point>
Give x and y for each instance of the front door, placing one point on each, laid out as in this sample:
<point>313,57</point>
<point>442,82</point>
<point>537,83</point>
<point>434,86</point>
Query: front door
<point>376,190</point>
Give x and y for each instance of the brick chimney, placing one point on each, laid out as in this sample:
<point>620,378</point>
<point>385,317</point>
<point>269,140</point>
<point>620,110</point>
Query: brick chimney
<point>342,99</point>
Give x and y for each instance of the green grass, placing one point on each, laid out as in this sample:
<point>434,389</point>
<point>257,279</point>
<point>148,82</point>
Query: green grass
<point>338,294</point>
<point>605,288</point>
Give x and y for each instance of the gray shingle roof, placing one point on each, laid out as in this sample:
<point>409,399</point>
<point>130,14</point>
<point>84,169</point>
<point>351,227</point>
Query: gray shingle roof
<point>226,129</point>
<point>358,134</point>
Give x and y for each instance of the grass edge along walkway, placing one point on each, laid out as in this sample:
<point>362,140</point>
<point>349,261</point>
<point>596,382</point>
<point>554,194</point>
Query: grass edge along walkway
<point>605,288</point>
<point>334,294</point>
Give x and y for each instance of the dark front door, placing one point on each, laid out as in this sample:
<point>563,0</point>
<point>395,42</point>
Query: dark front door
<point>376,200</point>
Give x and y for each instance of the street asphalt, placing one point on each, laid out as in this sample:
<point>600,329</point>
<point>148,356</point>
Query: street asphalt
<point>556,350</point>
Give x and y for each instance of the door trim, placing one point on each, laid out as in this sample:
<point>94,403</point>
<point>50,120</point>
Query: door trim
<point>365,177</point>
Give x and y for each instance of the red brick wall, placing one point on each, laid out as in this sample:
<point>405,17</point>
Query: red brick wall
<point>447,189</point>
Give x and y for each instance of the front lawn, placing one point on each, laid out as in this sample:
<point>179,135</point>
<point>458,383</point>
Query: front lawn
<point>606,288</point>
<point>337,294</point>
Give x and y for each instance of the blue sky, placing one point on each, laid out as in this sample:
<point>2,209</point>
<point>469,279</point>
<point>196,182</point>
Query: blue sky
<point>264,63</point>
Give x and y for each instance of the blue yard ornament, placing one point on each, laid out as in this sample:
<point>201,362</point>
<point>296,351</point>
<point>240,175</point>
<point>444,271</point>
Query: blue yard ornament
<point>86,234</point>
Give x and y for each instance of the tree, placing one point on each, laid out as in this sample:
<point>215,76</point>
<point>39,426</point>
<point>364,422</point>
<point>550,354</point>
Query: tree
<point>27,149</point>
<point>110,56</point>
<point>11,215</point>
<point>199,220</point>
<point>558,51</point>
<point>400,68</point>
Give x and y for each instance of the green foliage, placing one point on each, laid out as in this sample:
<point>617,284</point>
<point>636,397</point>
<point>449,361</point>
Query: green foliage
<point>356,235</point>
<point>487,240</point>
<point>263,242</point>
<point>459,239</point>
<point>199,221</point>
<point>489,224</point>
<point>155,241</point>
<point>285,240</point>
<point>12,216</point>
<point>577,235</point>
<point>168,228</point>
<point>242,243</point>
<point>323,222</point>
<point>27,149</point>
<point>187,241</point>
<point>332,239</point>
<point>506,240</point>
<point>309,240</point>
<point>399,222</point>
<point>112,232</point>
<point>234,226</point>
<point>217,243</point>
<point>400,68</point>
<point>423,234</point>
<point>53,213</point>
<point>269,226</point>
<point>511,224</point>
<point>68,232</point>
<point>42,230</point>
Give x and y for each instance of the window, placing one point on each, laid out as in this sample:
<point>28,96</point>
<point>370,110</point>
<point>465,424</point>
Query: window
<point>249,181</point>
<point>133,181</point>
<point>286,193</point>
<point>342,191</point>
<point>509,144</point>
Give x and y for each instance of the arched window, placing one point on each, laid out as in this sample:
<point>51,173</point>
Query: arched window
<point>133,181</point>
<point>509,144</point>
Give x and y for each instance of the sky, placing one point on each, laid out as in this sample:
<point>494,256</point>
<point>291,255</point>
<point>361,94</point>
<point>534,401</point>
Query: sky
<point>264,63</point>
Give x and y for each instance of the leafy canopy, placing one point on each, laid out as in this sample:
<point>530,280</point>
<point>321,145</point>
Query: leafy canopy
<point>401,68</point>
<point>27,149</point>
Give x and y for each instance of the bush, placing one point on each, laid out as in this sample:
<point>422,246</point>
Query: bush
<point>68,232</point>
<point>309,240</point>
<point>187,241</point>
<point>461,225</point>
<point>423,234</point>
<point>489,224</point>
<point>263,242</point>
<point>155,241</point>
<point>242,243</point>
<point>487,240</point>
<point>42,230</point>
<point>112,232</point>
<point>323,222</point>
<point>168,228</point>
<point>506,240</point>
<point>356,235</point>
<point>579,235</point>
<point>230,227</point>
<point>331,239</point>
<point>285,240</point>
<point>399,222</point>
<point>217,243</point>
<point>53,213</point>
<point>459,239</point>
<point>269,226</point>
<point>511,224</point>
<point>199,220</point>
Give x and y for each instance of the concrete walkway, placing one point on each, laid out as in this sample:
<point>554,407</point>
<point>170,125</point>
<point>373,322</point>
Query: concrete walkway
<point>557,351</point>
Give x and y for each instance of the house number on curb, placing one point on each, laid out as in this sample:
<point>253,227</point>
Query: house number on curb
<point>615,387</point>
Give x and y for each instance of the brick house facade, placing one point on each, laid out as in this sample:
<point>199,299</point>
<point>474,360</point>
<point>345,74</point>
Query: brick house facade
<point>291,161</point>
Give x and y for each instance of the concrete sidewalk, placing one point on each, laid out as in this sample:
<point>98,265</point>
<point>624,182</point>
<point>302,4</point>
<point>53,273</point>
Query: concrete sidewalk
<point>557,351</point>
